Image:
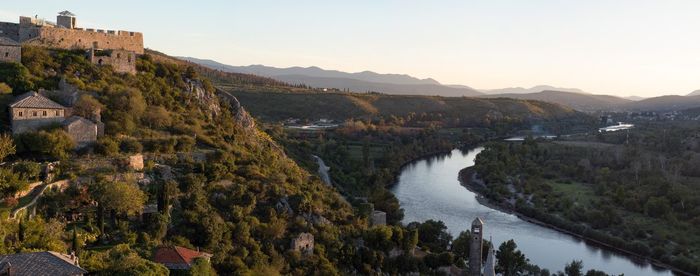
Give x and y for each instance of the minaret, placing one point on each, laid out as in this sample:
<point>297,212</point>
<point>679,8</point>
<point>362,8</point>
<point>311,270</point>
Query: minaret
<point>490,266</point>
<point>475,252</point>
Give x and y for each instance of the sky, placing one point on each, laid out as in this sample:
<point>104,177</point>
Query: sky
<point>621,47</point>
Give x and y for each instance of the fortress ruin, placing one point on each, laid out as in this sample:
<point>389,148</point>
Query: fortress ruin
<point>117,48</point>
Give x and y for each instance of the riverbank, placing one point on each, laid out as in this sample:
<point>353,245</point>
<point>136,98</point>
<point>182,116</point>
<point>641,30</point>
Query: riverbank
<point>468,178</point>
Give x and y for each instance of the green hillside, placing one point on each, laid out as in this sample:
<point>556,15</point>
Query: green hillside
<point>459,111</point>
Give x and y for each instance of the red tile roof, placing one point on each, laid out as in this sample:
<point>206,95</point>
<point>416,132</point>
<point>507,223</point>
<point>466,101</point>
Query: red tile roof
<point>176,257</point>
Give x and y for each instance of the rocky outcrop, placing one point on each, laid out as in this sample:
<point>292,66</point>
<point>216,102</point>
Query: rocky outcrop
<point>206,99</point>
<point>242,116</point>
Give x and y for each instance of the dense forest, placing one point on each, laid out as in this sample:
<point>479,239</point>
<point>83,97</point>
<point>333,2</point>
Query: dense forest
<point>636,190</point>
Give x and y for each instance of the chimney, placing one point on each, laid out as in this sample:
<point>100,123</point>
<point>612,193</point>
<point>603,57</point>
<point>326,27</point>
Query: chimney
<point>74,258</point>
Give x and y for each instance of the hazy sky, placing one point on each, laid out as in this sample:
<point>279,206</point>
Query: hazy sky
<point>621,47</point>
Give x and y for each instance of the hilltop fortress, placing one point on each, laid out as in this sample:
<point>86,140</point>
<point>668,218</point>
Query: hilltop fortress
<point>103,47</point>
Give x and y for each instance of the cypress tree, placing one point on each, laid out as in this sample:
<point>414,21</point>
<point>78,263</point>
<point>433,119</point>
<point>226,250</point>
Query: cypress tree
<point>75,243</point>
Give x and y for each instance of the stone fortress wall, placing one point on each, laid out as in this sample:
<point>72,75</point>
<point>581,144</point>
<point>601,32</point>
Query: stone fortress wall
<point>10,53</point>
<point>118,48</point>
<point>9,30</point>
<point>121,60</point>
<point>82,38</point>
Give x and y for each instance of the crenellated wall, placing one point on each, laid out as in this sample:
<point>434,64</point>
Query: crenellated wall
<point>82,39</point>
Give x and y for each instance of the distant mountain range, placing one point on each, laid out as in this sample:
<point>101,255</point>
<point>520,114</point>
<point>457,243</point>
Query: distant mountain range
<point>398,84</point>
<point>583,102</point>
<point>358,82</point>
<point>534,89</point>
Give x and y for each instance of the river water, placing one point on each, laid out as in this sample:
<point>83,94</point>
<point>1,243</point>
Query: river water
<point>429,189</point>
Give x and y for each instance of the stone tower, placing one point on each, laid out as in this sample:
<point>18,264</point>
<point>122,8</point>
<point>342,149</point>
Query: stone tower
<point>66,20</point>
<point>475,247</point>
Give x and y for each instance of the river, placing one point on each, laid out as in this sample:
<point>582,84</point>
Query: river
<point>429,189</point>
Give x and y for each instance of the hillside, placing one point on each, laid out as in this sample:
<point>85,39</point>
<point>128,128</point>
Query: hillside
<point>583,102</point>
<point>663,103</point>
<point>356,82</point>
<point>342,106</point>
<point>219,183</point>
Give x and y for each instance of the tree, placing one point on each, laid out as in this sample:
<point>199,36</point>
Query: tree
<point>510,260</point>
<point>460,246</point>
<point>434,235</point>
<point>202,266</point>
<point>5,89</point>
<point>157,117</point>
<point>16,76</point>
<point>7,146</point>
<point>120,260</point>
<point>121,197</point>
<point>86,106</point>
<point>10,183</point>
<point>75,243</point>
<point>55,143</point>
<point>574,268</point>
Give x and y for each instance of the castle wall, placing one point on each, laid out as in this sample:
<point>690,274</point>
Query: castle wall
<point>121,61</point>
<point>10,54</point>
<point>10,30</point>
<point>83,39</point>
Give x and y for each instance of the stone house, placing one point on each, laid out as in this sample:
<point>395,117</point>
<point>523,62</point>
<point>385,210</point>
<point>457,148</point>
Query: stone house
<point>10,50</point>
<point>32,111</point>
<point>81,130</point>
<point>303,243</point>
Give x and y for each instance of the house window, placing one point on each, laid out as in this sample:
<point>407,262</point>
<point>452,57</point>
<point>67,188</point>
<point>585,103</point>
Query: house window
<point>58,113</point>
<point>7,54</point>
<point>34,114</point>
<point>20,113</point>
<point>44,112</point>
<point>119,55</point>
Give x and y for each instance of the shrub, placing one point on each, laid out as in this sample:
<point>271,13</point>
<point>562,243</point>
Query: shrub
<point>55,143</point>
<point>107,146</point>
<point>27,170</point>
<point>129,145</point>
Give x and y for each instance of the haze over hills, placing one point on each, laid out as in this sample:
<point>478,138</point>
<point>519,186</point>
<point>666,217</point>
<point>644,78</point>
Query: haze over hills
<point>583,102</point>
<point>534,89</point>
<point>357,82</point>
<point>694,93</point>
<point>398,84</point>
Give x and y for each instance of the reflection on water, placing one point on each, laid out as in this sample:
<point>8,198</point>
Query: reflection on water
<point>429,189</point>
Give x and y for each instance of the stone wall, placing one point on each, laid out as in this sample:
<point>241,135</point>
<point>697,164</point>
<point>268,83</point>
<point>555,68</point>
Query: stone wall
<point>10,53</point>
<point>83,132</point>
<point>10,30</point>
<point>121,60</point>
<point>21,126</point>
<point>82,38</point>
